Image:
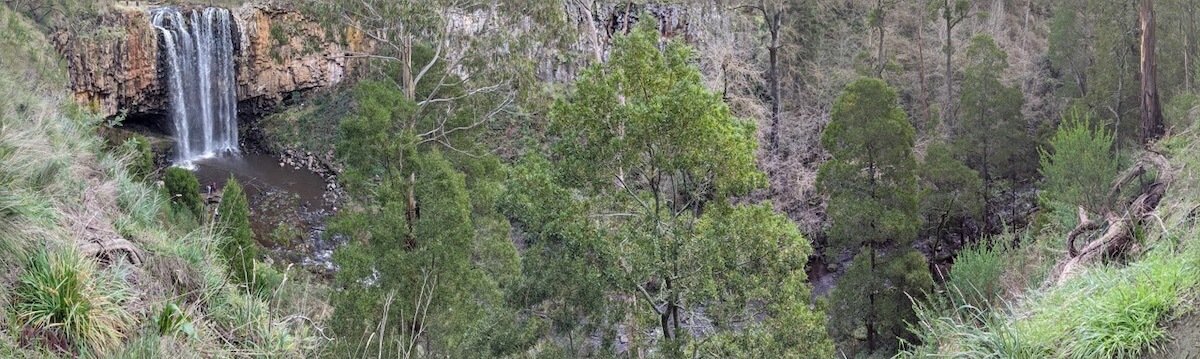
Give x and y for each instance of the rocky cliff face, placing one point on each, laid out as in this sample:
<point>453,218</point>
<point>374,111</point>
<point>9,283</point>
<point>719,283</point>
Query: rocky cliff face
<point>282,52</point>
<point>116,67</point>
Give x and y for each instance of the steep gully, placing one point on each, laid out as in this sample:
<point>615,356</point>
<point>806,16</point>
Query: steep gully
<point>199,72</point>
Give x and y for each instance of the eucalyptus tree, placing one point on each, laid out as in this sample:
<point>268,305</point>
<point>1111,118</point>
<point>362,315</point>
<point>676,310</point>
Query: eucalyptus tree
<point>951,13</point>
<point>651,159</point>
<point>1152,119</point>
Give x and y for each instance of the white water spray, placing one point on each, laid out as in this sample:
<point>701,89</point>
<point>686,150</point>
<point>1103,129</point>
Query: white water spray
<point>197,52</point>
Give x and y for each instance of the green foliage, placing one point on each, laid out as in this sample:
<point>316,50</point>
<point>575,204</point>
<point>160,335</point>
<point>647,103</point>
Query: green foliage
<point>1067,52</point>
<point>993,138</point>
<point>61,291</point>
<point>239,249</point>
<point>946,327</point>
<point>634,202</point>
<point>648,110</point>
<point>400,265</point>
<point>873,203</point>
<point>141,163</point>
<point>374,140</point>
<point>284,234</point>
<point>950,191</point>
<point>566,260</point>
<point>1078,169</point>
<point>877,294</point>
<point>976,273</point>
<point>172,320</point>
<point>1106,312</point>
<point>871,178</point>
<point>267,279</point>
<point>1182,111</point>
<point>1090,43</point>
<point>184,190</point>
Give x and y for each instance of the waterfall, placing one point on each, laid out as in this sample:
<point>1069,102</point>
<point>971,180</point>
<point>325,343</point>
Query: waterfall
<point>196,52</point>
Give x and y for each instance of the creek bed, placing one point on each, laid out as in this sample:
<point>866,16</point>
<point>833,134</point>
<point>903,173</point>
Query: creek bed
<point>288,206</point>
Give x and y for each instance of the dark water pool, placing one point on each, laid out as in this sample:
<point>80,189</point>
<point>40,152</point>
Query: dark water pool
<point>260,174</point>
<point>288,206</point>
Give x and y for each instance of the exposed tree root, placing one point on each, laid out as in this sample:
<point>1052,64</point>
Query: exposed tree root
<point>91,224</point>
<point>1118,238</point>
<point>111,248</point>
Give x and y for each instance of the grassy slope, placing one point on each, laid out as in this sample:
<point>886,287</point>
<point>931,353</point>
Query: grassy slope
<point>1109,310</point>
<point>59,189</point>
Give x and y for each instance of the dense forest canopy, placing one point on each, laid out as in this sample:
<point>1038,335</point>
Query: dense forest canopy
<point>595,178</point>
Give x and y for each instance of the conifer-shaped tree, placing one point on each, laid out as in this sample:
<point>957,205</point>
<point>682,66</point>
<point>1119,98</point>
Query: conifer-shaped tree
<point>872,183</point>
<point>238,249</point>
<point>993,138</point>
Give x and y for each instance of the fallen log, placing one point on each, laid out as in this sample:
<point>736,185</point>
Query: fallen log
<point>1118,237</point>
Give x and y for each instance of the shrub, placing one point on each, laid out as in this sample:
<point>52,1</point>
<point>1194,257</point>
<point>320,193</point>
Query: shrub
<point>239,249</point>
<point>184,189</point>
<point>142,163</point>
<point>266,279</point>
<point>285,234</point>
<point>63,291</point>
<point>976,273</point>
<point>1079,168</point>
<point>1181,111</point>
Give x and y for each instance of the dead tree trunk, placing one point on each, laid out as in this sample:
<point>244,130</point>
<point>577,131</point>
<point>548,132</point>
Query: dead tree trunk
<point>921,75</point>
<point>1152,121</point>
<point>774,23</point>
<point>1119,235</point>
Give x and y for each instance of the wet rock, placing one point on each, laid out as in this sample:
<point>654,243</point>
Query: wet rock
<point>117,66</point>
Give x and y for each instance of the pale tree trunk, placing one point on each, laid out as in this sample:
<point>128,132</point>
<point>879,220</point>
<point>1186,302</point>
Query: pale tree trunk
<point>1152,121</point>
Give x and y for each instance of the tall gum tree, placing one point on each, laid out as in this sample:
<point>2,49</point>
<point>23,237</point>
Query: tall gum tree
<point>1152,120</point>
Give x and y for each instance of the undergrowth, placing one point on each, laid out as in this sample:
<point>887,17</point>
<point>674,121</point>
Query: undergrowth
<point>60,188</point>
<point>66,293</point>
<point>1118,308</point>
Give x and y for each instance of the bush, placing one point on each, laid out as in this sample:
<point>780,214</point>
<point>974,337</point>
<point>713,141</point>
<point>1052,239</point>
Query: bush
<point>142,163</point>
<point>266,279</point>
<point>1181,111</point>
<point>184,189</point>
<point>1079,168</point>
<point>239,249</point>
<point>62,291</point>
<point>976,273</point>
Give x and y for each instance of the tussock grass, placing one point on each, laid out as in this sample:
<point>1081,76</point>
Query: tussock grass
<point>62,291</point>
<point>1116,309</point>
<point>1107,312</point>
<point>57,184</point>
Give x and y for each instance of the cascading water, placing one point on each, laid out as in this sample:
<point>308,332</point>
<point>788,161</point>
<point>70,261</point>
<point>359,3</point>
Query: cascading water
<point>197,51</point>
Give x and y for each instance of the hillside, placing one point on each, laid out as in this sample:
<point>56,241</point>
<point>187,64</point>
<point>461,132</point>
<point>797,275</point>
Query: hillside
<point>96,262</point>
<point>599,178</point>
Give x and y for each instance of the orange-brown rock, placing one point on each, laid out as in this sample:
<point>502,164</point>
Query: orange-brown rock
<point>116,67</point>
<point>283,52</point>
